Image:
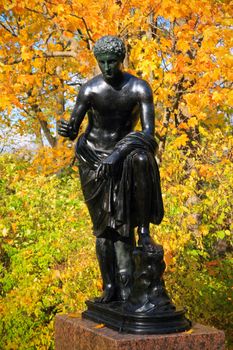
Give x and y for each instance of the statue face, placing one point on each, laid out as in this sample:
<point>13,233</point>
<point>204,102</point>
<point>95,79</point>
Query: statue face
<point>110,65</point>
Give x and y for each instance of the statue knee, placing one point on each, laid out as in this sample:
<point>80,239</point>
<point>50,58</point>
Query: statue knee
<point>101,242</point>
<point>141,178</point>
<point>140,159</point>
<point>104,246</point>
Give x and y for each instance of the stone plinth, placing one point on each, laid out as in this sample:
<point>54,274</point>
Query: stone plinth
<point>74,333</point>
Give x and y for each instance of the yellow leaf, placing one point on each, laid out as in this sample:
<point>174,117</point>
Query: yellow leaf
<point>202,116</point>
<point>191,219</point>
<point>192,122</point>
<point>101,325</point>
<point>217,97</point>
<point>204,230</point>
<point>203,131</point>
<point>181,140</point>
<point>60,9</point>
<point>26,54</point>
<point>189,332</point>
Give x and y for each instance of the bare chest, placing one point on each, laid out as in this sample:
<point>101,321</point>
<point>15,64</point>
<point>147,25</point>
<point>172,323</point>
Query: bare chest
<point>115,102</point>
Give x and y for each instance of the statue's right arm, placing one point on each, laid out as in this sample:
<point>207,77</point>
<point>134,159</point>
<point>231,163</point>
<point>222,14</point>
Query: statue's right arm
<point>70,129</point>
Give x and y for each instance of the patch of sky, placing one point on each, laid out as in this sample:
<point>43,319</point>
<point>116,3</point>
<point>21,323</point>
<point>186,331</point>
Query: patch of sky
<point>163,23</point>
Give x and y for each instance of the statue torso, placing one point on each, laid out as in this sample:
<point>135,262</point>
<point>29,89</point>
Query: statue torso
<point>114,111</point>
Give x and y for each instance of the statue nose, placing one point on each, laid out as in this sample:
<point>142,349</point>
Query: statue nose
<point>106,66</point>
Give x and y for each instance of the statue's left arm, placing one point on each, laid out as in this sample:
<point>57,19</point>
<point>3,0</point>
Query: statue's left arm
<point>147,114</point>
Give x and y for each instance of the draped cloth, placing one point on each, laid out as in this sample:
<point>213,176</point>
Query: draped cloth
<point>111,201</point>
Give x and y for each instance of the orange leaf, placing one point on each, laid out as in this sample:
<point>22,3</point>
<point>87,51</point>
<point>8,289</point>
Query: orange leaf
<point>74,315</point>
<point>14,227</point>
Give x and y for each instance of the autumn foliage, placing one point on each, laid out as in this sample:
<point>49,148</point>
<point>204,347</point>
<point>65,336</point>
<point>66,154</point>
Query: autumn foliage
<point>184,49</point>
<point>181,47</point>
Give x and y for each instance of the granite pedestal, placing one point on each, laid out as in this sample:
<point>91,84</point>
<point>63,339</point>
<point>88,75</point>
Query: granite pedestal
<point>74,333</point>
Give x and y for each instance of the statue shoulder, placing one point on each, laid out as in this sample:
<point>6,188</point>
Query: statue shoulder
<point>86,90</point>
<point>142,88</point>
<point>90,87</point>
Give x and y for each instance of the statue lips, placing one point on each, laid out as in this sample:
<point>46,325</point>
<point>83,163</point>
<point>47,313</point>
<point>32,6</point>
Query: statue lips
<point>108,75</point>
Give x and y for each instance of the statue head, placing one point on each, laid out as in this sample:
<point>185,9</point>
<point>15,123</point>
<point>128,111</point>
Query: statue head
<point>110,44</point>
<point>109,52</point>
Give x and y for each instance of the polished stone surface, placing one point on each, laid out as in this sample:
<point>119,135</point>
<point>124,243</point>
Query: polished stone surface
<point>73,333</point>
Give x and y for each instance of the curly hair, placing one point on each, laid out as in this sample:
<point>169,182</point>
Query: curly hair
<point>109,44</point>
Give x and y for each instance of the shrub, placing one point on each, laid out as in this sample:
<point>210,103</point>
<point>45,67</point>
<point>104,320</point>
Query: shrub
<point>47,253</point>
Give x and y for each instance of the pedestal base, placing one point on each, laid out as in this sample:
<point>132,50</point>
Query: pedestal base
<point>114,316</point>
<point>73,333</point>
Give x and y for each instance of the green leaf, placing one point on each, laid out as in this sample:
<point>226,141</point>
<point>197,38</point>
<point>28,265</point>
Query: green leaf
<point>220,234</point>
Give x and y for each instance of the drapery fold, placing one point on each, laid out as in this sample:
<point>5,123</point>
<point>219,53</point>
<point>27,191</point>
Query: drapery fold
<point>111,201</point>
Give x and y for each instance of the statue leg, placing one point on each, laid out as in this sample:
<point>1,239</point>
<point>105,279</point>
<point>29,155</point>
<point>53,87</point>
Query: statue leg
<point>106,258</point>
<point>124,264</point>
<point>142,198</point>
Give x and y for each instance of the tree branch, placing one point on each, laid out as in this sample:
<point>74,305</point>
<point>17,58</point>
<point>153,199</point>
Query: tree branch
<point>51,54</point>
<point>89,38</point>
<point>8,30</point>
<point>44,126</point>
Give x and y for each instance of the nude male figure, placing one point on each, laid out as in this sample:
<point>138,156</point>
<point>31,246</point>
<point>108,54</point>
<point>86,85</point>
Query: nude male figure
<point>118,173</point>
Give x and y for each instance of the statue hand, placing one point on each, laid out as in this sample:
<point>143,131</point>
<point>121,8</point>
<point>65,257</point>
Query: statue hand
<point>108,165</point>
<point>66,130</point>
<point>103,171</point>
<point>112,159</point>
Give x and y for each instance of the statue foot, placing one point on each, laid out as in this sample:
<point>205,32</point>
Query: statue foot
<point>108,295</point>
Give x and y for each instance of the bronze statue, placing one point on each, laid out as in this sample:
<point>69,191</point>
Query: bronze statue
<point>118,172</point>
